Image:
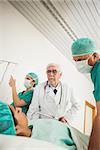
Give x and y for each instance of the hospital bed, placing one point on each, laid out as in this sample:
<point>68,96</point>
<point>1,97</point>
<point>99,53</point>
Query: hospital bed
<point>8,142</point>
<point>23,143</point>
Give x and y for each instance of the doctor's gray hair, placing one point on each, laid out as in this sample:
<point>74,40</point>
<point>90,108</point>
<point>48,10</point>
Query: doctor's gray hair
<point>54,65</point>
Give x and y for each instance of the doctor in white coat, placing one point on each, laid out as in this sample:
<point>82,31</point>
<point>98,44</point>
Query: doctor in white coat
<point>53,99</point>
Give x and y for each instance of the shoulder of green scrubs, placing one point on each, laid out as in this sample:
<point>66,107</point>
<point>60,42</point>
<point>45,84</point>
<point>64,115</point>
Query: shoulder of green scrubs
<point>95,76</point>
<point>27,97</point>
<point>6,120</point>
<point>53,131</point>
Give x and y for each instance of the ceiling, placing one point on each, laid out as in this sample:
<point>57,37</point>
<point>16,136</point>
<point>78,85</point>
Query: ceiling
<point>62,21</point>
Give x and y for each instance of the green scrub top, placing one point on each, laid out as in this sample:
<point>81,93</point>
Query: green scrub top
<point>27,97</point>
<point>95,76</point>
<point>6,120</point>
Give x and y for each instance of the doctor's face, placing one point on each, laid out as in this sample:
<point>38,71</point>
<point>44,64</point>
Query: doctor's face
<point>53,75</point>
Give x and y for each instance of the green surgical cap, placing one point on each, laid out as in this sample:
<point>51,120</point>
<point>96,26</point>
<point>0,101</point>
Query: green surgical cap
<point>83,46</point>
<point>33,76</point>
<point>6,120</point>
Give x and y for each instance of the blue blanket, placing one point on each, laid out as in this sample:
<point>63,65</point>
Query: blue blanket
<point>53,131</point>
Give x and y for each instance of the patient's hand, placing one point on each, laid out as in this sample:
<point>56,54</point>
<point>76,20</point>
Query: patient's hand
<point>20,131</point>
<point>12,108</point>
<point>62,119</point>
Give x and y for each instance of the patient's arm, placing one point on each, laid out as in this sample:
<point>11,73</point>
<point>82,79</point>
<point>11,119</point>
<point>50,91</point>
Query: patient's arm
<point>20,131</point>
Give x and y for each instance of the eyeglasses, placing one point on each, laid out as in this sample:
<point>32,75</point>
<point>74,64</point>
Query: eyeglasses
<point>52,71</point>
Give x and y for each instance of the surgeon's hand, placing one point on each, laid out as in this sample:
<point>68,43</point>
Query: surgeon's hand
<point>20,131</point>
<point>62,119</point>
<point>12,82</point>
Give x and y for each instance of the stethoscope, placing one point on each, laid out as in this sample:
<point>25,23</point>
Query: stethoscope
<point>50,86</point>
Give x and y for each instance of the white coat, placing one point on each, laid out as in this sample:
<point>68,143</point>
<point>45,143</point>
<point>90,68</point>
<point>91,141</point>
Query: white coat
<point>64,103</point>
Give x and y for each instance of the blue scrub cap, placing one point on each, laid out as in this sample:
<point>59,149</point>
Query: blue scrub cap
<point>33,76</point>
<point>83,46</point>
<point>6,120</point>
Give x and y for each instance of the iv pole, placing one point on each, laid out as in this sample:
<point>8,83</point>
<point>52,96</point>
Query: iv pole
<point>8,63</point>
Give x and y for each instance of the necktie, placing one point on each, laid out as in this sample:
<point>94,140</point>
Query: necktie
<point>55,91</point>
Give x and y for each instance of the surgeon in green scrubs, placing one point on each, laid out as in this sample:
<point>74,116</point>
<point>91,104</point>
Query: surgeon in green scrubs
<point>87,60</point>
<point>23,99</point>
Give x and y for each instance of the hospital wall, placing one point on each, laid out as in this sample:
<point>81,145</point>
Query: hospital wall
<point>24,45</point>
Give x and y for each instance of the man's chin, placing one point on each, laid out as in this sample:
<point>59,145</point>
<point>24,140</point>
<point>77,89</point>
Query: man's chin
<point>52,81</point>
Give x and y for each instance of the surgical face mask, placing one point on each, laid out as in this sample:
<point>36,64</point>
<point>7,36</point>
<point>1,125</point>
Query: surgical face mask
<point>83,67</point>
<point>27,83</point>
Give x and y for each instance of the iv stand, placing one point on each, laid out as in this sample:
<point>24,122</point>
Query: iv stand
<point>8,63</point>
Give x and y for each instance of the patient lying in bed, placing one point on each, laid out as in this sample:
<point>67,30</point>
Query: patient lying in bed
<point>45,129</point>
